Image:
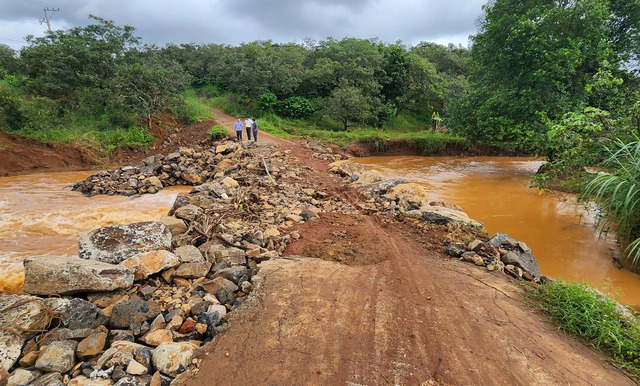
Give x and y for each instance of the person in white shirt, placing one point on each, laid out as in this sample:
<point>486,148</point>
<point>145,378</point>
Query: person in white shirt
<point>247,125</point>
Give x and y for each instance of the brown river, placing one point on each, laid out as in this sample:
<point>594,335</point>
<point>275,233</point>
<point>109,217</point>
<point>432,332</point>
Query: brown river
<point>495,191</point>
<point>40,215</point>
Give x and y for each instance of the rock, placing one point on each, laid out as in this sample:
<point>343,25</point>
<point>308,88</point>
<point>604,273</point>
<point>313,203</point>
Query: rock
<point>230,182</point>
<point>370,177</point>
<point>518,253</point>
<point>146,264</point>
<point>381,187</point>
<point>233,274</point>
<point>176,226</point>
<point>173,358</point>
<point>64,334</point>
<point>225,296</point>
<point>189,254</point>
<point>188,212</point>
<point>135,368</point>
<point>51,275</point>
<point>212,286</point>
<point>157,337</point>
<point>21,377</point>
<point>346,168</point>
<point>93,344</point>
<point>113,244</point>
<point>120,336</point>
<point>84,381</point>
<point>191,176</point>
<point>135,312</point>
<point>410,192</point>
<point>21,319</point>
<point>456,249</point>
<point>193,270</point>
<point>79,314</point>
<point>442,216</point>
<point>58,356</point>
<point>475,245</point>
<point>229,255</point>
<point>51,379</point>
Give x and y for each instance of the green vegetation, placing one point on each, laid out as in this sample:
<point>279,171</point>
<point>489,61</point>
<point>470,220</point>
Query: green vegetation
<point>583,312</point>
<point>618,196</point>
<point>217,132</point>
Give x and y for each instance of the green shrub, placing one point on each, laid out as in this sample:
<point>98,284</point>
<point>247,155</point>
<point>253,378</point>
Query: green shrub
<point>218,132</point>
<point>294,107</point>
<point>617,194</point>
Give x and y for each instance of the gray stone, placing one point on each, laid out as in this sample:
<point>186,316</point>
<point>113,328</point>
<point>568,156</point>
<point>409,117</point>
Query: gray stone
<point>456,249</point>
<point>58,356</point>
<point>442,216</point>
<point>50,379</point>
<point>188,212</point>
<point>189,254</point>
<point>518,254</point>
<point>116,243</point>
<point>173,358</point>
<point>20,377</point>
<point>192,270</point>
<point>80,314</point>
<point>134,312</point>
<point>51,275</point>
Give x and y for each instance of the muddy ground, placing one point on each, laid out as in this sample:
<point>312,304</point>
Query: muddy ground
<point>377,302</point>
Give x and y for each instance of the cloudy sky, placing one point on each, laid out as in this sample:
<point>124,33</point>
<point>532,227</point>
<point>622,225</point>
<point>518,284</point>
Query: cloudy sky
<point>235,21</point>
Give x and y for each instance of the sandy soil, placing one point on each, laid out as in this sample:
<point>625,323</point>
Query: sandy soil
<point>376,302</point>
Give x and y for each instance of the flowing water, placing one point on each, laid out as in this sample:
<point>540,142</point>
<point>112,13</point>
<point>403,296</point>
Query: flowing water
<point>495,191</point>
<point>40,215</point>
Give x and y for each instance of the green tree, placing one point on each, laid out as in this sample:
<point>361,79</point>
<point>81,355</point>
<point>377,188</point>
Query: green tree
<point>9,62</point>
<point>348,104</point>
<point>65,61</point>
<point>533,59</point>
<point>147,83</point>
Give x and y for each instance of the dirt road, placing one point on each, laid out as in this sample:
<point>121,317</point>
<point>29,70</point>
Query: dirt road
<point>395,311</point>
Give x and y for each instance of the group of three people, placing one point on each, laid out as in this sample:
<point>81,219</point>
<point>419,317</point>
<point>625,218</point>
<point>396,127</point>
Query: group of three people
<point>251,126</point>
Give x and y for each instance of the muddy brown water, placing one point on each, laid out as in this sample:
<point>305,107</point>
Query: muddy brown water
<point>495,191</point>
<point>40,215</point>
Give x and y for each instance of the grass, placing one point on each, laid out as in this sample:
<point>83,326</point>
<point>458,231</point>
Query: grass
<point>195,108</point>
<point>581,311</point>
<point>217,132</point>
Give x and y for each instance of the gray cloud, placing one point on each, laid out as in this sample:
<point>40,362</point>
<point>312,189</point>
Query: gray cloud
<point>236,21</point>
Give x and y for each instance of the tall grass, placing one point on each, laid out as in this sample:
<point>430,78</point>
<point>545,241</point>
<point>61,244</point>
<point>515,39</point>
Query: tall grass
<point>194,108</point>
<point>617,194</point>
<point>581,311</point>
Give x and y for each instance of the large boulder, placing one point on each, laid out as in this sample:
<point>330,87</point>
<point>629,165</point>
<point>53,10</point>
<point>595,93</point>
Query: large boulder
<point>113,244</point>
<point>347,168</point>
<point>517,253</point>
<point>50,275</point>
<point>441,215</point>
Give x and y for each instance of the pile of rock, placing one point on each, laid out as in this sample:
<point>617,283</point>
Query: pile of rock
<point>140,299</point>
<point>189,166</point>
<point>500,253</point>
<point>399,196</point>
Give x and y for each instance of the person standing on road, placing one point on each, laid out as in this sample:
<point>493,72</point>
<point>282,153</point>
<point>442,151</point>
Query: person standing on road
<point>254,129</point>
<point>247,125</point>
<point>239,130</point>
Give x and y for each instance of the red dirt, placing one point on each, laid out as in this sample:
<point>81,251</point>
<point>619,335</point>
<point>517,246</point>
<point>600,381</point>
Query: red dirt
<point>379,303</point>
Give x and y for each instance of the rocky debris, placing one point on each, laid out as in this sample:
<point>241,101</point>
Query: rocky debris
<point>516,253</point>
<point>148,263</point>
<point>500,253</point>
<point>49,275</point>
<point>113,244</point>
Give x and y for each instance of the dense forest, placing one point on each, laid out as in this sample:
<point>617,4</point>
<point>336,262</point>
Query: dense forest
<point>557,78</point>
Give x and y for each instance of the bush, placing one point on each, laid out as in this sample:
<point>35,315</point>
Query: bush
<point>218,132</point>
<point>295,107</point>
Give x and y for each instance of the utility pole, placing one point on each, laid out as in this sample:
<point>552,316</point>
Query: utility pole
<point>47,17</point>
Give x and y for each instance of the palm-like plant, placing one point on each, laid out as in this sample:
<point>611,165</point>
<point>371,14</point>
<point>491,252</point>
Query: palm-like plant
<point>617,194</point>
